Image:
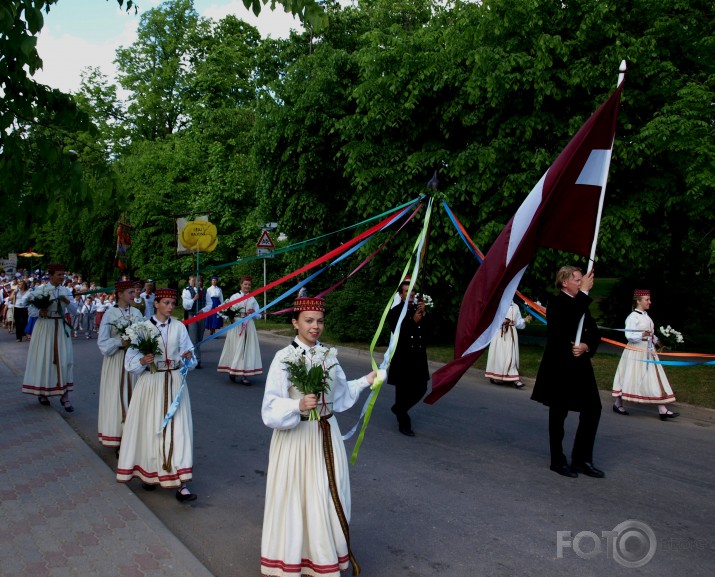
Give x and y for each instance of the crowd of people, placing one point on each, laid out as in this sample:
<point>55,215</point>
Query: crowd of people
<point>143,387</point>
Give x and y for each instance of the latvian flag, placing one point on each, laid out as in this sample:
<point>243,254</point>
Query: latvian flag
<point>561,212</point>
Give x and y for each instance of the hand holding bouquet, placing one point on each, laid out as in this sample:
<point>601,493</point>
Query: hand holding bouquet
<point>144,336</point>
<point>41,297</point>
<point>670,338</point>
<point>311,374</point>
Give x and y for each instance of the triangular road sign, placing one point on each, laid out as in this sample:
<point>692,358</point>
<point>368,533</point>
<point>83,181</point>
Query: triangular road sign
<point>265,241</point>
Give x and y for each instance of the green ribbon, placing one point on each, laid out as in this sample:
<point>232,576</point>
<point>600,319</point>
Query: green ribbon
<point>377,384</point>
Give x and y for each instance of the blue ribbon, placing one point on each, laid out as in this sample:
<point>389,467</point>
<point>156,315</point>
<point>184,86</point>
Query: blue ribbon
<point>297,287</point>
<point>188,364</point>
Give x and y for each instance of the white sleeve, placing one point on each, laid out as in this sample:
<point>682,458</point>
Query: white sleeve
<point>632,333</point>
<point>186,300</point>
<point>279,411</point>
<point>185,343</point>
<point>107,344</point>
<point>345,393</point>
<point>519,321</point>
<point>132,362</point>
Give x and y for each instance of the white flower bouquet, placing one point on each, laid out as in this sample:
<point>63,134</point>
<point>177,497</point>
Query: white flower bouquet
<point>670,338</point>
<point>232,312</point>
<point>121,327</point>
<point>41,297</point>
<point>144,336</point>
<point>424,298</point>
<point>311,376</point>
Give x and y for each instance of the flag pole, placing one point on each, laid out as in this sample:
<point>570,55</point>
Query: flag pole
<point>604,178</point>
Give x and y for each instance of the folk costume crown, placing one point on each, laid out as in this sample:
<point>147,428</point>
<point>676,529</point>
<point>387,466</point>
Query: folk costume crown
<point>166,293</point>
<point>122,285</point>
<point>638,293</point>
<point>309,304</point>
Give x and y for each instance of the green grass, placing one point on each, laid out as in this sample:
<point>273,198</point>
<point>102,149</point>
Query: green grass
<point>692,385</point>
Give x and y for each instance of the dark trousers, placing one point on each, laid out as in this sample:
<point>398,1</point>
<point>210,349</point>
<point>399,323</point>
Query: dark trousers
<point>582,451</point>
<point>196,334</point>
<point>406,397</point>
<point>20,322</point>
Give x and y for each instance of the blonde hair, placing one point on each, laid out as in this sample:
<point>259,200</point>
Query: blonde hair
<point>564,274</point>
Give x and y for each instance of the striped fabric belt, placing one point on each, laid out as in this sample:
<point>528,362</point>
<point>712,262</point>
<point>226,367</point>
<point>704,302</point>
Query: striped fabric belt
<point>322,417</point>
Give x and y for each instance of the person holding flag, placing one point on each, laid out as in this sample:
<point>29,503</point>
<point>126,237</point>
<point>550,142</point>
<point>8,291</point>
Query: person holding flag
<point>565,381</point>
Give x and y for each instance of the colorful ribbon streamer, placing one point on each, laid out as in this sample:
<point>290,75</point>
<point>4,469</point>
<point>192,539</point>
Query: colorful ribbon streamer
<point>369,405</point>
<point>188,364</point>
<point>326,257</point>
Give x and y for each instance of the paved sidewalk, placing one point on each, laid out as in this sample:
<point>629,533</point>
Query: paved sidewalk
<point>61,511</point>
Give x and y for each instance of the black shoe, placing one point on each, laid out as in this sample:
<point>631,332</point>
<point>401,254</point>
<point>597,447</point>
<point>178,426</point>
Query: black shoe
<point>588,469</point>
<point>232,378</point>
<point>668,415</point>
<point>620,410</point>
<point>43,400</point>
<point>67,406</point>
<point>148,487</point>
<point>519,385</point>
<point>182,498</point>
<point>245,382</point>
<point>407,431</point>
<point>493,382</point>
<point>564,470</point>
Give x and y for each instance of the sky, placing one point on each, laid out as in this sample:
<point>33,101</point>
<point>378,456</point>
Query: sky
<point>81,33</point>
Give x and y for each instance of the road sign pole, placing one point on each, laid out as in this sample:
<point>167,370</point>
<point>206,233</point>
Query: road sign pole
<point>265,313</point>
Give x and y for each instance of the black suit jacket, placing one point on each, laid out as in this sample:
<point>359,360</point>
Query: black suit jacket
<point>564,380</point>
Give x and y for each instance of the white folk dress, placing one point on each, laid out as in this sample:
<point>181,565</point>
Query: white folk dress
<point>165,458</point>
<point>241,354</point>
<point>115,384</point>
<point>50,359</point>
<point>503,360</point>
<point>302,534</point>
<point>636,381</point>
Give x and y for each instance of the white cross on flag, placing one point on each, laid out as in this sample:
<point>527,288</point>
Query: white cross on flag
<point>560,212</point>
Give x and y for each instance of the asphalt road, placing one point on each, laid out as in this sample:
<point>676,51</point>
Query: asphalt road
<point>470,495</point>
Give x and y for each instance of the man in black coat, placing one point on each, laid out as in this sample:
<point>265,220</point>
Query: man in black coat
<point>565,381</point>
<point>408,368</point>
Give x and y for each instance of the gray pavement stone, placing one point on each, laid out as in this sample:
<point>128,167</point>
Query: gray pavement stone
<point>63,513</point>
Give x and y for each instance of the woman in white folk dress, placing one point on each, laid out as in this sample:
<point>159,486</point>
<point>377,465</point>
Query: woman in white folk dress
<point>50,361</point>
<point>307,511</point>
<point>160,457</point>
<point>637,381</point>
<point>115,384</point>
<point>503,360</point>
<point>241,354</point>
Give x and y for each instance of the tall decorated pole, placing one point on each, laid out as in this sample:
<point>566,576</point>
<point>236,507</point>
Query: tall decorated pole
<point>432,185</point>
<point>606,164</point>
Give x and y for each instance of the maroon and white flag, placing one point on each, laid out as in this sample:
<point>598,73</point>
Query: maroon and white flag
<point>560,212</point>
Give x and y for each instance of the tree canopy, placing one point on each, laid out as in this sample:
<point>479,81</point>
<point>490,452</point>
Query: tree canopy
<point>341,122</point>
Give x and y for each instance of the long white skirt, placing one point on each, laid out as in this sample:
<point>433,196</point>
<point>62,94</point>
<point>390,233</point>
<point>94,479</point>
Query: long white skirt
<point>503,359</point>
<point>115,391</point>
<point>42,375</point>
<point>301,530</point>
<point>640,382</point>
<point>144,451</point>
<point>241,354</point>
